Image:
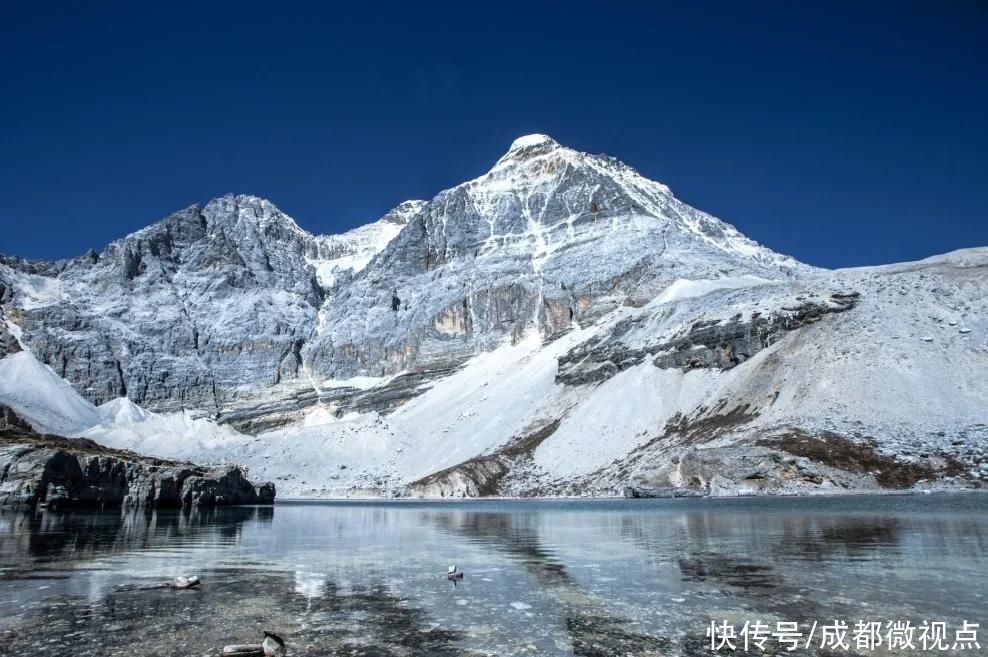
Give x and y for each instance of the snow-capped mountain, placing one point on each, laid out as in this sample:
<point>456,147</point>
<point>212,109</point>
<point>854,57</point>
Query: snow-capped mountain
<point>559,325</point>
<point>548,238</point>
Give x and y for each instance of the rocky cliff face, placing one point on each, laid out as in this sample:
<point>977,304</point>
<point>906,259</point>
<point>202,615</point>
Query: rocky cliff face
<point>548,239</point>
<point>207,310</point>
<point>58,472</point>
<point>178,314</point>
<point>719,343</point>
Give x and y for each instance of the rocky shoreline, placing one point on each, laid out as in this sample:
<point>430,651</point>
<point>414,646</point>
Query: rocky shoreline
<point>55,472</point>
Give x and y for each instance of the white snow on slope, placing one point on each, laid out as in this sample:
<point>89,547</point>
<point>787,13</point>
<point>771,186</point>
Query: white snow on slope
<point>51,405</point>
<point>684,289</point>
<point>36,393</point>
<point>355,248</point>
<point>906,366</point>
<point>604,414</point>
<point>34,291</point>
<point>499,395</point>
<point>358,247</point>
<point>122,411</point>
<point>909,363</point>
<point>175,435</point>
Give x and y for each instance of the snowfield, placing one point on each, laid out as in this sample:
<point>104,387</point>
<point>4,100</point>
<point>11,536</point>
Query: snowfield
<point>41,397</point>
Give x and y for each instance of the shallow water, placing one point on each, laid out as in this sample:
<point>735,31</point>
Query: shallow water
<point>602,578</point>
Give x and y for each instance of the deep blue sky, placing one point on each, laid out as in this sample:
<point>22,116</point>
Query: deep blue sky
<point>842,133</point>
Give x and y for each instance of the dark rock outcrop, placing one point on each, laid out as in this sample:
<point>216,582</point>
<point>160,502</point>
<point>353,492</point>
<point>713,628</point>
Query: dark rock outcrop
<point>8,342</point>
<point>270,415</point>
<point>11,420</point>
<point>60,472</point>
<point>499,473</point>
<point>707,343</point>
<point>724,344</point>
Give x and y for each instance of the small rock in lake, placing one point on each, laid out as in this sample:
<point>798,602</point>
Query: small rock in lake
<point>274,645</point>
<point>243,650</point>
<point>182,582</point>
<point>453,573</point>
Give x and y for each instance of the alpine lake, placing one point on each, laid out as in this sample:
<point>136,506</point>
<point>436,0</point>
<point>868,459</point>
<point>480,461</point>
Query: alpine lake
<point>597,578</point>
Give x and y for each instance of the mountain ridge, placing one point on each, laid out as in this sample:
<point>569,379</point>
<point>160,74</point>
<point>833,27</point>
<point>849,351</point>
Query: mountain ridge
<point>246,243</point>
<point>559,289</point>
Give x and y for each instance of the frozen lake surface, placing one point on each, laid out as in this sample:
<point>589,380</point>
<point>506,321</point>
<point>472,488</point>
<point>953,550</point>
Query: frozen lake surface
<point>595,578</point>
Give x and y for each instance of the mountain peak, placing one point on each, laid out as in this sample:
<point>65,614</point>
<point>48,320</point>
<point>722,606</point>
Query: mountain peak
<point>402,213</point>
<point>233,208</point>
<point>527,148</point>
<point>528,141</point>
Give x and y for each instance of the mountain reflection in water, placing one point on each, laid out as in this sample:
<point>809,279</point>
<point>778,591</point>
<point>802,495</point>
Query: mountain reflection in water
<point>640,577</point>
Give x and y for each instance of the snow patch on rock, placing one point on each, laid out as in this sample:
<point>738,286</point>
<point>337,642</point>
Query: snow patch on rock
<point>122,411</point>
<point>527,141</point>
<point>684,289</point>
<point>170,435</point>
<point>36,393</point>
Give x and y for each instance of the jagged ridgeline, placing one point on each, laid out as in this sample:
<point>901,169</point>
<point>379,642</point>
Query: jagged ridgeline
<point>211,299</point>
<point>558,289</point>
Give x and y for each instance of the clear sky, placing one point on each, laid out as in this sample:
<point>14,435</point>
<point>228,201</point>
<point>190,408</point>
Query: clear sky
<point>842,133</point>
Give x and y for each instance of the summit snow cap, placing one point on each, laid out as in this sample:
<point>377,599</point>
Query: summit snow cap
<point>529,147</point>
<point>527,141</point>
